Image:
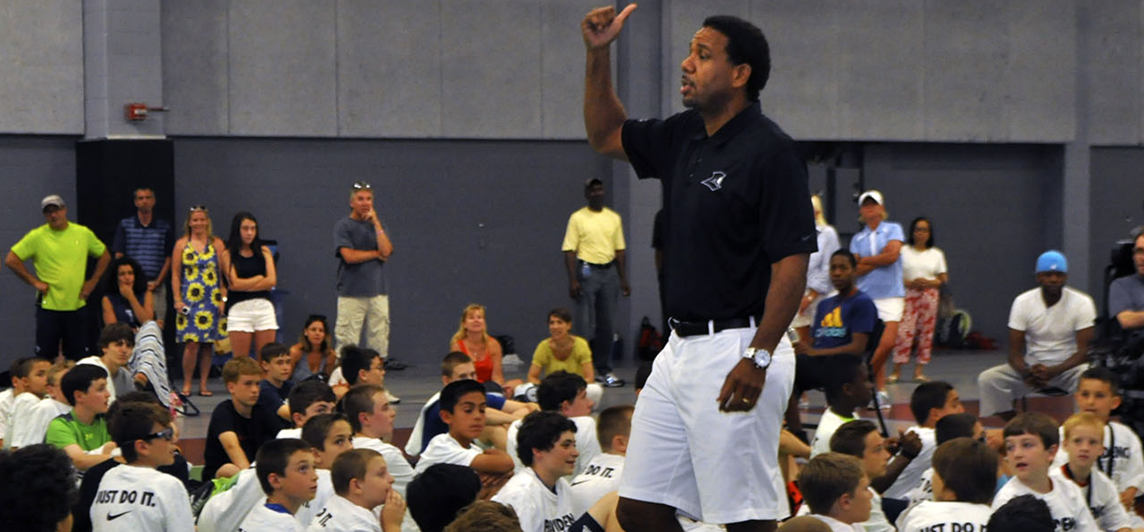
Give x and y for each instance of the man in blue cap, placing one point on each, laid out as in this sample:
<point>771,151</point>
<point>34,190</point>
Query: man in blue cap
<point>1049,330</point>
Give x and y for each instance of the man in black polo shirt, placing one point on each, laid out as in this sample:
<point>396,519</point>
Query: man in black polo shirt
<point>739,231</point>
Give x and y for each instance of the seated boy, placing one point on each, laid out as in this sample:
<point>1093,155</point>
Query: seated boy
<point>499,413</point>
<point>116,342</point>
<point>929,402</point>
<point>7,397</point>
<point>836,491</point>
<point>1025,513</point>
<point>546,443</point>
<point>1123,460</point>
<point>949,427</point>
<point>275,386</point>
<point>848,387</point>
<point>463,410</point>
<point>47,487</point>
<point>486,516</point>
<point>965,472</point>
<point>1030,444</point>
<point>32,373</point>
<point>359,366</point>
<point>1083,437</point>
<point>138,497</point>
<point>602,475</point>
<point>842,327</point>
<point>440,492</point>
<point>371,418</point>
<point>240,425</point>
<point>329,435</point>
<point>307,399</point>
<point>566,394</point>
<point>82,433</point>
<point>32,426</point>
<point>361,483</point>
<point>287,475</point>
<point>860,438</point>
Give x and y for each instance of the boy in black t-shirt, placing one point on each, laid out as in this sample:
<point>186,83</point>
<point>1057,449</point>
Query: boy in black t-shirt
<point>275,387</point>
<point>239,426</point>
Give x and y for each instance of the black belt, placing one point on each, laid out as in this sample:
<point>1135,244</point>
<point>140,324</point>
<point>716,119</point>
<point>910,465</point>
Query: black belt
<point>595,266</point>
<point>692,328</point>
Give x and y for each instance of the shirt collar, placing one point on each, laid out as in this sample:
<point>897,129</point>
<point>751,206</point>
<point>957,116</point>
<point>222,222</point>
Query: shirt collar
<point>733,126</point>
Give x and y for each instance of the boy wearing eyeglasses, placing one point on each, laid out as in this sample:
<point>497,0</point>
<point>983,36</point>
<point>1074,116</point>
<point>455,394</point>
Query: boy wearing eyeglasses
<point>138,497</point>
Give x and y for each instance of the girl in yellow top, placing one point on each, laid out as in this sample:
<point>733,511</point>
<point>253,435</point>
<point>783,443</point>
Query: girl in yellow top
<point>564,351</point>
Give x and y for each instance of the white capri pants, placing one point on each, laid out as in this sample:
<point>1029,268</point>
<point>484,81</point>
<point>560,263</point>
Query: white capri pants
<point>1000,385</point>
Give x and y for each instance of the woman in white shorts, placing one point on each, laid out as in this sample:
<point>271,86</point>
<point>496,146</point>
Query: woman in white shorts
<point>878,248</point>
<point>251,274</point>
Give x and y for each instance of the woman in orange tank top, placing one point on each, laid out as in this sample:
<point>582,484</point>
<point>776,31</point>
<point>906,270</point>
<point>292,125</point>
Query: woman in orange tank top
<point>472,338</point>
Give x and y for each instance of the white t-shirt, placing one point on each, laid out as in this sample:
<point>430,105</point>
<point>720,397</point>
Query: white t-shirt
<point>341,515</point>
<point>32,429</point>
<point>827,424</point>
<point>18,418</point>
<point>929,516</point>
<point>926,264</point>
<point>6,399</point>
<point>1122,447</point>
<point>537,507</point>
<point>1050,332</point>
<point>912,474</point>
<point>836,525</point>
<point>923,491</point>
<point>600,477</point>
<point>586,442</point>
<point>395,462</point>
<point>1065,500</point>
<point>877,521</point>
<point>224,511</point>
<point>310,508</point>
<point>443,449</point>
<point>336,378</point>
<point>1102,499</point>
<point>141,499</point>
<point>263,519</point>
<point>295,433</point>
<point>118,384</point>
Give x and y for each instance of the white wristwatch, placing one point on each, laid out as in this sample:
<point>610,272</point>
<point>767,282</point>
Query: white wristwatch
<point>760,357</point>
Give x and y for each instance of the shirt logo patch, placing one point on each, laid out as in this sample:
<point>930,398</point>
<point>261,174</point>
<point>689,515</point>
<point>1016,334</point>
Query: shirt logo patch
<point>715,182</point>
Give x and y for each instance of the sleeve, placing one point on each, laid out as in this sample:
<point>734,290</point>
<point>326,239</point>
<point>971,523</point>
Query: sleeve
<point>95,246</point>
<point>526,512</point>
<point>1119,299</point>
<point>23,425</point>
<point>895,233</point>
<point>176,508</point>
<point>1134,471</point>
<point>60,434</point>
<point>342,238</point>
<point>854,242</point>
<point>442,450</point>
<point>1017,317</point>
<point>26,248</point>
<point>541,355</point>
<point>1086,313</point>
<point>864,316</point>
<point>119,242</point>
<point>571,235</point>
<point>647,143</point>
<point>581,351</point>
<point>786,214</point>
<point>941,265</point>
<point>495,400</point>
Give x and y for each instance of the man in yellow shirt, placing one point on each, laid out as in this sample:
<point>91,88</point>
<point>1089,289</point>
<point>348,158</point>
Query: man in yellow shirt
<point>594,256</point>
<point>59,250</point>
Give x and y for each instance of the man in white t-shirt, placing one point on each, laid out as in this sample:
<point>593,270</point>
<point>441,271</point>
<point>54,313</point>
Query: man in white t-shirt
<point>137,497</point>
<point>539,495</point>
<point>602,475</point>
<point>463,405</point>
<point>567,394</point>
<point>371,416</point>
<point>361,483</point>
<point>1049,331</point>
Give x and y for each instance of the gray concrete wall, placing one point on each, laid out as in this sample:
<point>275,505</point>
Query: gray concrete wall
<point>41,57</point>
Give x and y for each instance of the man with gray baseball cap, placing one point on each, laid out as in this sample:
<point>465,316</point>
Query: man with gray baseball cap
<point>59,250</point>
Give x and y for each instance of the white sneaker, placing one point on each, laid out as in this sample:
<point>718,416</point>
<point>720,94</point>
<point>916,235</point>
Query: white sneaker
<point>884,400</point>
<point>393,399</point>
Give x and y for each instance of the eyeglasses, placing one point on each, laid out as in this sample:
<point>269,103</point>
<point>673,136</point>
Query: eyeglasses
<point>195,208</point>
<point>167,434</point>
<point>362,185</point>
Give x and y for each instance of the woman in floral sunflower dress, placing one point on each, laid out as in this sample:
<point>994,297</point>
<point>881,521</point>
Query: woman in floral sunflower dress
<point>199,296</point>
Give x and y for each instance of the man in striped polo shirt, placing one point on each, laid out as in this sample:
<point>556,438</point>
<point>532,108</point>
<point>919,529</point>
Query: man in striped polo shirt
<point>148,240</point>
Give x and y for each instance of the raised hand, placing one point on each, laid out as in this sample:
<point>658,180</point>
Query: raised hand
<point>602,25</point>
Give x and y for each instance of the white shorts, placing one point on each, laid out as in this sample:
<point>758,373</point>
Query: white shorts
<point>683,452</point>
<point>890,308</point>
<point>251,315</point>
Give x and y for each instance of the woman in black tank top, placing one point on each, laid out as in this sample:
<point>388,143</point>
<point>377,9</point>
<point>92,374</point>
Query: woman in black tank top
<point>251,274</point>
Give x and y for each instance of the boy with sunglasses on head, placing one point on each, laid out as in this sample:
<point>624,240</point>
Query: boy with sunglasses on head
<point>137,497</point>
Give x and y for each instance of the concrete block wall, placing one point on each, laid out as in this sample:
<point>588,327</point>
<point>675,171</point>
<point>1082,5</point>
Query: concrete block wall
<point>41,57</point>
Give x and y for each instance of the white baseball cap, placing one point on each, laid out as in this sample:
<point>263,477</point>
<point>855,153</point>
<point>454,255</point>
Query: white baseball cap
<point>52,200</point>
<point>871,194</point>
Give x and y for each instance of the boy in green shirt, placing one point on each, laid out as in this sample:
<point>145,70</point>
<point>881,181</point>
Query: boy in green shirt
<point>82,433</point>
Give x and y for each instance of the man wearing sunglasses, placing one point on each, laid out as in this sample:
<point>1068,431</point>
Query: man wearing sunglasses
<point>362,248</point>
<point>136,496</point>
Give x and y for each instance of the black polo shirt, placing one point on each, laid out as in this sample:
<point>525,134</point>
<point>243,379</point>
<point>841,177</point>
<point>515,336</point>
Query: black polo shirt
<point>734,203</point>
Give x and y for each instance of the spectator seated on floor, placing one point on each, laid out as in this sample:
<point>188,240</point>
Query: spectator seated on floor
<point>47,485</point>
<point>567,394</point>
<point>602,474</point>
<point>860,439</point>
<point>275,386</point>
<point>1081,444</point>
<point>371,417</point>
<point>440,492</point>
<point>463,410</point>
<point>947,428</point>
<point>361,483</point>
<point>31,428</point>
<point>32,374</point>
<point>836,490</point>
<point>82,433</point>
<point>848,388</point>
<point>306,400</point>
<point>485,516</point>
<point>287,475</point>
<point>1049,330</point>
<point>1126,296</point>
<point>541,497</point>
<point>929,403</point>
<point>116,342</point>
<point>240,425</point>
<point>564,351</point>
<point>965,472</point>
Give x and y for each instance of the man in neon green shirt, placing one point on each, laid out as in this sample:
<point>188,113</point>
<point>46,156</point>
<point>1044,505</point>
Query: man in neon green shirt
<point>59,250</point>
